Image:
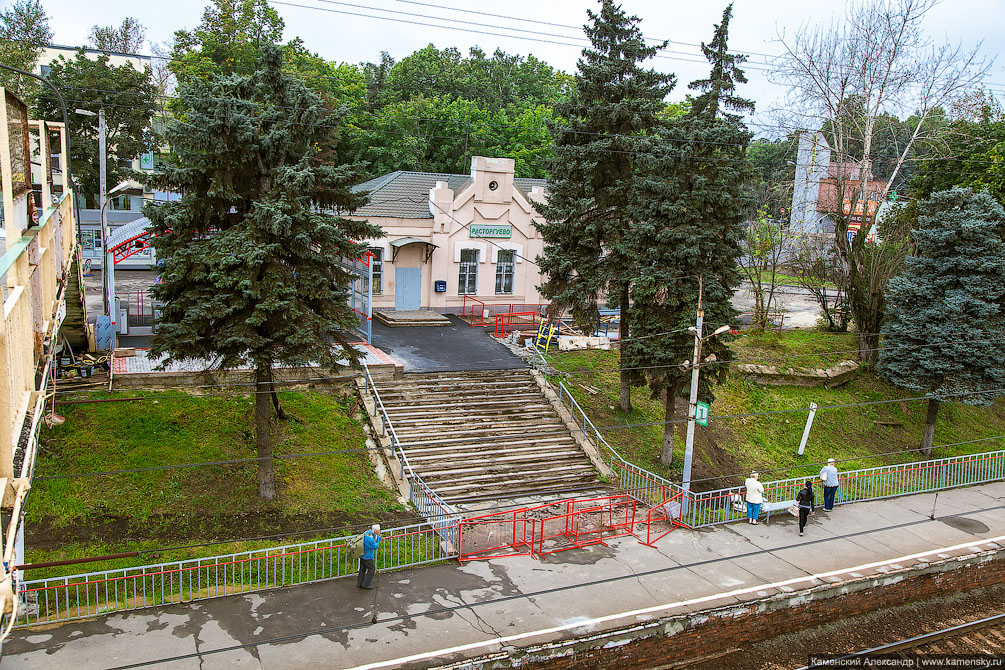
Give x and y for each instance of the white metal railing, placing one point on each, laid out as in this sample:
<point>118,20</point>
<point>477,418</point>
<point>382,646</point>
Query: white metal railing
<point>440,515</point>
<point>646,487</point>
<point>94,593</point>
<point>886,481</point>
<point>714,507</point>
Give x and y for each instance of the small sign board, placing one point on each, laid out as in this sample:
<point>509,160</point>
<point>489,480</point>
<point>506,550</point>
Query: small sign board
<point>701,413</point>
<point>490,230</point>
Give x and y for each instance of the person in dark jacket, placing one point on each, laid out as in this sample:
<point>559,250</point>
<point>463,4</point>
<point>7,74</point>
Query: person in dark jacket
<point>804,500</point>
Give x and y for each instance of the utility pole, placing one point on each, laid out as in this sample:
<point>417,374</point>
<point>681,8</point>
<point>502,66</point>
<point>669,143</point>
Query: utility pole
<point>107,297</point>
<point>692,405</point>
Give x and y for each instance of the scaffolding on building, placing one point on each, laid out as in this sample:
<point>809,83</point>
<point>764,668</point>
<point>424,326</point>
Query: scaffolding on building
<point>360,298</point>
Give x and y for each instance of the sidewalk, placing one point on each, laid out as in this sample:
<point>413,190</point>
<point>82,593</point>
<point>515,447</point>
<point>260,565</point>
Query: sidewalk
<point>524,600</point>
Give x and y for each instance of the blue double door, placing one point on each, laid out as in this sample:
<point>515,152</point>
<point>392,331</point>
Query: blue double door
<point>407,288</point>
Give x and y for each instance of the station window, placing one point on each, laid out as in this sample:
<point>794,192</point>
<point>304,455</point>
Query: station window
<point>91,240</point>
<point>378,269</point>
<point>467,278</point>
<point>504,272</point>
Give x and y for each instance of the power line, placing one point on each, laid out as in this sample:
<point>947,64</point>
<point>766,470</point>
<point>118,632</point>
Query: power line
<point>511,506</point>
<point>437,611</point>
<point>477,440</point>
<point>378,116</point>
<point>858,458</point>
<point>272,384</point>
<point>798,409</point>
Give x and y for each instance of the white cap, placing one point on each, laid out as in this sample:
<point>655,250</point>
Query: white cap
<point>375,527</point>
<point>830,460</point>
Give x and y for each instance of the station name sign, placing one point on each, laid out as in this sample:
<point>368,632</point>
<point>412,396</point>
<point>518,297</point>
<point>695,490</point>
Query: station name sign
<point>488,230</point>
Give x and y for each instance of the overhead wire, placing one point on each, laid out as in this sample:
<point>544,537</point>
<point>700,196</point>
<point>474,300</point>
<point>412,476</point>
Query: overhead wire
<point>280,457</point>
<point>439,611</point>
<point>519,505</point>
<point>745,415</point>
<point>376,115</point>
<point>765,359</point>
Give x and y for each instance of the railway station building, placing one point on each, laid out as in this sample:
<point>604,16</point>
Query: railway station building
<point>456,243</point>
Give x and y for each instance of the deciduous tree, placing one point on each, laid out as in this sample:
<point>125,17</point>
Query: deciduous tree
<point>846,78</point>
<point>24,32</point>
<point>128,98</point>
<point>127,38</point>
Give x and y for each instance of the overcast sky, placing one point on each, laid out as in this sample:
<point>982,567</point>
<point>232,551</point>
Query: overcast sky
<point>338,31</point>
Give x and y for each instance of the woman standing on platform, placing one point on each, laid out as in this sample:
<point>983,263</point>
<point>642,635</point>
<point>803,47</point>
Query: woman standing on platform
<point>804,500</point>
<point>755,496</point>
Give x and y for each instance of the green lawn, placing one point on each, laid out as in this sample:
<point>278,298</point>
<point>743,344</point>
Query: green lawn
<point>732,446</point>
<point>785,279</point>
<point>149,510</point>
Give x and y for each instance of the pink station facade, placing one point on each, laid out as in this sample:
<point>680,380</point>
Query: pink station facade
<point>453,243</point>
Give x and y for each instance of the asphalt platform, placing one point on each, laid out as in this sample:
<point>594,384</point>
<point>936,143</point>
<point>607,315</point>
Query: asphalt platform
<point>445,613</point>
<point>454,348</point>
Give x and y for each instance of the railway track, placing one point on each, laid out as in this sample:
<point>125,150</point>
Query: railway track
<point>984,636</point>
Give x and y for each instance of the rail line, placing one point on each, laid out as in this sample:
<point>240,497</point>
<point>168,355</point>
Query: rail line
<point>984,636</point>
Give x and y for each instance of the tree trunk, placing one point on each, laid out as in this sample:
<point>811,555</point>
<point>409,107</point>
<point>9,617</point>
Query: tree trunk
<point>868,347</point>
<point>626,385</point>
<point>263,433</point>
<point>928,435</point>
<point>669,428</point>
<point>275,404</point>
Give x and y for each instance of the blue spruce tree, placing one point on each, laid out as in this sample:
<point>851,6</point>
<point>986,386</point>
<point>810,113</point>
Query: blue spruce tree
<point>946,309</point>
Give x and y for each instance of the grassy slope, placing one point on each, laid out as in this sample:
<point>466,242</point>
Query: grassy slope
<point>174,428</point>
<point>732,446</point>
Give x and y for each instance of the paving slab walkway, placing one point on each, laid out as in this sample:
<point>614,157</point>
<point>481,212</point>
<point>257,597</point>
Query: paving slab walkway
<point>429,616</point>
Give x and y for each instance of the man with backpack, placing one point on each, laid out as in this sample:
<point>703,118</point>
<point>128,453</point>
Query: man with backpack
<point>367,564</point>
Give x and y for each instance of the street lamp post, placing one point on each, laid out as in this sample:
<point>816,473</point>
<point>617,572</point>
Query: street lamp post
<point>107,279</point>
<point>108,265</point>
<point>692,407</point>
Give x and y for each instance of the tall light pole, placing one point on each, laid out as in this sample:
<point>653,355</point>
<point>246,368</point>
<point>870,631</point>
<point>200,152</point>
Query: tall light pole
<point>107,295</point>
<point>108,267</point>
<point>692,407</point>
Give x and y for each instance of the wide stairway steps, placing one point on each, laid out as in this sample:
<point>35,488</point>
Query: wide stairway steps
<point>488,434</point>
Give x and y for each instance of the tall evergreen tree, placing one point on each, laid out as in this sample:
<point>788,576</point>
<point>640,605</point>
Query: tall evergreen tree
<point>718,92</point>
<point>689,203</point>
<point>250,275</point>
<point>946,309</point>
<point>587,225</point>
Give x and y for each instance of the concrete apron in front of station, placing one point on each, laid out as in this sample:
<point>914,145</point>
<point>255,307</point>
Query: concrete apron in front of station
<point>442,614</point>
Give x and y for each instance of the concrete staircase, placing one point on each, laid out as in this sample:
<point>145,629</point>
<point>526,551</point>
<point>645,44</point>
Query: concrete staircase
<point>73,328</point>
<point>482,435</point>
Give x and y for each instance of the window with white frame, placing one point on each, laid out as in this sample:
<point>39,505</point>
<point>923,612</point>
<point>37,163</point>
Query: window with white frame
<point>467,277</point>
<point>505,263</point>
<point>91,240</point>
<point>377,263</point>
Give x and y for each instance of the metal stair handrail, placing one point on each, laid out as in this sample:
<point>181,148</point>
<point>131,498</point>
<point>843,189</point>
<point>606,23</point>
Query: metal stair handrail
<point>645,486</point>
<point>435,509</point>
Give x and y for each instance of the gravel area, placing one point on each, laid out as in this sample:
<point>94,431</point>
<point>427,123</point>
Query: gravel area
<point>863,632</point>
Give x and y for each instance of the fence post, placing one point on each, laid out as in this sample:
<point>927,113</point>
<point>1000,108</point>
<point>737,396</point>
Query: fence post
<point>806,430</point>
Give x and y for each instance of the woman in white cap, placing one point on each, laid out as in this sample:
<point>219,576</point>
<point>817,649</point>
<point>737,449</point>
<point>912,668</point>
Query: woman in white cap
<point>829,476</point>
<point>755,496</point>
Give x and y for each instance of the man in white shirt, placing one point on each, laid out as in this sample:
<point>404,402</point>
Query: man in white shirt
<point>829,477</point>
